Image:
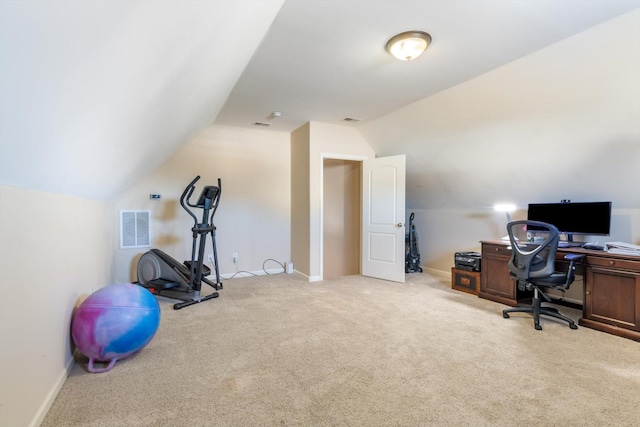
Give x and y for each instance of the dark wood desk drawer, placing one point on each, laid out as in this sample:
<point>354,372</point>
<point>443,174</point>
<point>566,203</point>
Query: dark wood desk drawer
<point>499,250</point>
<point>630,265</point>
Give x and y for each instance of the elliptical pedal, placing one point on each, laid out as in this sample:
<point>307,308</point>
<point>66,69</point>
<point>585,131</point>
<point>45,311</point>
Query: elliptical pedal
<point>160,284</point>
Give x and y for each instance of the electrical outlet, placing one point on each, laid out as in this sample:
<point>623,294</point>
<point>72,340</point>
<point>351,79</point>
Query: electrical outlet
<point>210,258</point>
<point>235,257</point>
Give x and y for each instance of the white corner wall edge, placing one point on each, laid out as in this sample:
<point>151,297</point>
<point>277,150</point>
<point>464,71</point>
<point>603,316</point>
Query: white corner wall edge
<point>51,396</point>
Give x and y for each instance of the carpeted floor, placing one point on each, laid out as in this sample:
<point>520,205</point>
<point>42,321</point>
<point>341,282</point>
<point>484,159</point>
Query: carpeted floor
<point>354,351</point>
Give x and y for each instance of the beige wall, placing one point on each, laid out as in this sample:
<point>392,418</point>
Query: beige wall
<point>300,177</point>
<point>561,123</point>
<point>328,141</point>
<point>324,141</point>
<point>341,218</point>
<point>54,251</point>
<point>253,218</point>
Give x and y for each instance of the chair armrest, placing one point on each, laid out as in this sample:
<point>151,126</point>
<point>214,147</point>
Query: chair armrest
<point>572,258</point>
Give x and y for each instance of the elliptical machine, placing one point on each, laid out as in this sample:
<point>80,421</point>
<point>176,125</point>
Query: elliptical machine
<point>163,275</point>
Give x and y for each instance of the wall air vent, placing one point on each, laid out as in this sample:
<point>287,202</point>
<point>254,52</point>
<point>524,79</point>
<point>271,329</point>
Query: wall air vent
<point>262,124</point>
<point>135,229</point>
<point>350,119</point>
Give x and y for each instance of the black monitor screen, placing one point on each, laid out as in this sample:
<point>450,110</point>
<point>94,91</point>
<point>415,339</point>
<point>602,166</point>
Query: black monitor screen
<point>592,218</point>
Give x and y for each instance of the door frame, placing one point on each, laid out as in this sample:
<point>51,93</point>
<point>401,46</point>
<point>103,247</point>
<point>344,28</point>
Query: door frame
<point>334,156</point>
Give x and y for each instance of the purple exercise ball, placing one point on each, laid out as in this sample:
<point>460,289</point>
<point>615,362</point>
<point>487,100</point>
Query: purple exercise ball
<point>115,322</point>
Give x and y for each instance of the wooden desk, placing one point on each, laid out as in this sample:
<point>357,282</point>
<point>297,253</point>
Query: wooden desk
<point>611,299</point>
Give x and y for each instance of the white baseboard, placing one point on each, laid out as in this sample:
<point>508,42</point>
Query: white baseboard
<point>248,273</point>
<point>51,396</point>
<point>442,275</point>
<point>308,278</point>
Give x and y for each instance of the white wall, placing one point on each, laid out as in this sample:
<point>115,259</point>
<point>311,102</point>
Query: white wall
<point>253,218</point>
<point>561,123</point>
<point>54,251</point>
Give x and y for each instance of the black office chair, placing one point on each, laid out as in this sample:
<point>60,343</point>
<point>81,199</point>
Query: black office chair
<point>533,268</point>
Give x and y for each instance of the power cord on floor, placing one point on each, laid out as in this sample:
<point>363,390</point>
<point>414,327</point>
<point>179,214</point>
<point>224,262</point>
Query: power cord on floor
<point>241,271</point>
<point>277,262</point>
<point>263,269</point>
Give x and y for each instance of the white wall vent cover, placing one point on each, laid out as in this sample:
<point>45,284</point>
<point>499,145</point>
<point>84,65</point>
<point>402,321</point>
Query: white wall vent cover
<point>135,229</point>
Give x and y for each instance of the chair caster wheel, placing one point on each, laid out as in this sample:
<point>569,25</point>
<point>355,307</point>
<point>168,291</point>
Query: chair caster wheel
<point>574,326</point>
<point>505,315</point>
<point>538,327</point>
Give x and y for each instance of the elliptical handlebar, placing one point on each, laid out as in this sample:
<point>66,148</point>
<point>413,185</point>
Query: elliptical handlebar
<point>215,206</point>
<point>186,194</point>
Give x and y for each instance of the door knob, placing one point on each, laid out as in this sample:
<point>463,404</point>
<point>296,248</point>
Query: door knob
<point>399,224</point>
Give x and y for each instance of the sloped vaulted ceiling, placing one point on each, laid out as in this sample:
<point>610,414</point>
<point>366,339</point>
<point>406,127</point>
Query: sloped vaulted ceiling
<point>95,95</point>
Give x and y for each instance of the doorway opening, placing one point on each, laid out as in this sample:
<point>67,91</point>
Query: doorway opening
<point>341,217</point>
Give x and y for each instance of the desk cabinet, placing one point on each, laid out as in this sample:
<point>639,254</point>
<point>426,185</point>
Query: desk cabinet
<point>612,296</point>
<point>611,300</point>
<point>496,284</point>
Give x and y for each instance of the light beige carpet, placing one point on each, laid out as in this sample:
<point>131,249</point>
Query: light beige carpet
<point>276,350</point>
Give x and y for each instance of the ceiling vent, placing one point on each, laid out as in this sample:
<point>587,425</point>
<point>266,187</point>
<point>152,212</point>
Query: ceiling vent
<point>265,125</point>
<point>350,119</point>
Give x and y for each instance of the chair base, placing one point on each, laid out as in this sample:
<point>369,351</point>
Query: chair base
<point>547,311</point>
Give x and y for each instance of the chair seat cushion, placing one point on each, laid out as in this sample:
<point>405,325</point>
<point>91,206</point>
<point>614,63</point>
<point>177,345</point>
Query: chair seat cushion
<point>552,281</point>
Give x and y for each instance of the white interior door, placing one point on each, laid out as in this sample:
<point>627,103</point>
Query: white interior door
<point>383,231</point>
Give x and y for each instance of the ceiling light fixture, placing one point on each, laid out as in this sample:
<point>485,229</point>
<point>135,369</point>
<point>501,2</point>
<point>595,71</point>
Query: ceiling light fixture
<point>408,45</point>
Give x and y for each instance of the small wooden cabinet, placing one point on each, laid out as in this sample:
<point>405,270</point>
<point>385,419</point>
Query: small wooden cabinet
<point>611,300</point>
<point>465,281</point>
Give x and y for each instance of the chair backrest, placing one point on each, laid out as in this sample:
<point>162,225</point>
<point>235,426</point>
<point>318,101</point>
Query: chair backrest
<point>528,262</point>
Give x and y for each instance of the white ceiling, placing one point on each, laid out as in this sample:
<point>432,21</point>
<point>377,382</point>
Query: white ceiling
<point>324,60</point>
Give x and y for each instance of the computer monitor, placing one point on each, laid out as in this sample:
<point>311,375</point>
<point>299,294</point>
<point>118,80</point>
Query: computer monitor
<point>592,218</point>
